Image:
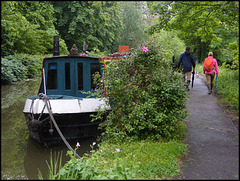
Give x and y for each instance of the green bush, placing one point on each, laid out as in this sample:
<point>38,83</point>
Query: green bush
<point>146,97</point>
<point>12,69</point>
<point>170,44</point>
<point>228,86</point>
<point>20,66</point>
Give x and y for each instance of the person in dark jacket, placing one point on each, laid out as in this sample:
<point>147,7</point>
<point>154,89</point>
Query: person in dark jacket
<point>187,61</point>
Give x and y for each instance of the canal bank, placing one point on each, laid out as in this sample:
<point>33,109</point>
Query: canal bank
<point>212,138</point>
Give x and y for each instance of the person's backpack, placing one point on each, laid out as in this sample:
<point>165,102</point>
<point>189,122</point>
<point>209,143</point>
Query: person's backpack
<point>208,64</point>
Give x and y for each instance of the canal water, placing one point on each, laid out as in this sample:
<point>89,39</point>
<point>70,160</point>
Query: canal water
<point>21,156</point>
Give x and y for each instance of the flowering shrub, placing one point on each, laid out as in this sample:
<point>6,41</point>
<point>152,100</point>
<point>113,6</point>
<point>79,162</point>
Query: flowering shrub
<point>146,97</point>
<point>135,161</point>
<point>145,49</point>
<point>87,167</point>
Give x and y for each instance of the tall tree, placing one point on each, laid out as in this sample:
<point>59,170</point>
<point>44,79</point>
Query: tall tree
<point>196,20</point>
<point>95,22</point>
<point>27,27</point>
<point>133,24</point>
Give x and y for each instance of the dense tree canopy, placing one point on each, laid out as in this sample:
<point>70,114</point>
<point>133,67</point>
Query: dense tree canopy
<point>196,18</point>
<point>95,22</point>
<point>202,24</point>
<point>133,25</point>
<point>27,27</point>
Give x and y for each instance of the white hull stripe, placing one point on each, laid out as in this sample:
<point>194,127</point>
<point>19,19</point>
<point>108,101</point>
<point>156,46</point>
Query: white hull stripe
<point>65,106</point>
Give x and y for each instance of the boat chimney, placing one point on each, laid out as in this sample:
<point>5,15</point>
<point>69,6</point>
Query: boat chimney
<point>56,51</point>
<point>84,47</point>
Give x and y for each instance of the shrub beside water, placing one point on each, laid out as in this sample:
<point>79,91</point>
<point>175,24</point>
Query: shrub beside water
<point>142,133</point>
<point>148,100</point>
<point>20,66</point>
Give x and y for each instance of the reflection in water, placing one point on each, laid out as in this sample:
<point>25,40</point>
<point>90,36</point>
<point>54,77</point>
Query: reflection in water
<point>21,156</point>
<point>38,156</point>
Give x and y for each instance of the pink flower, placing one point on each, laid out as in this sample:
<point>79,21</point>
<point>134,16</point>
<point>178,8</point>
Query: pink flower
<point>131,39</point>
<point>78,144</point>
<point>145,49</point>
<point>117,149</point>
<point>94,143</point>
<point>134,103</point>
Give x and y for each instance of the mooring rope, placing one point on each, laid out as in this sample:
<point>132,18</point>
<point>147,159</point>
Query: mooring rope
<point>45,99</point>
<point>41,112</point>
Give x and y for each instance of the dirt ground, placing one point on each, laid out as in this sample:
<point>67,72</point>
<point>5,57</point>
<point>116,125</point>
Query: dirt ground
<point>226,108</point>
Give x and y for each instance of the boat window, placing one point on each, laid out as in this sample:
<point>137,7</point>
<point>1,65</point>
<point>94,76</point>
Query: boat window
<point>67,76</point>
<point>80,76</point>
<point>52,76</point>
<point>95,67</point>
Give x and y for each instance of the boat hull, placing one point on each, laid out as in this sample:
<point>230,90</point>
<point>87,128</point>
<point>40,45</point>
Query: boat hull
<point>72,126</point>
<point>72,115</point>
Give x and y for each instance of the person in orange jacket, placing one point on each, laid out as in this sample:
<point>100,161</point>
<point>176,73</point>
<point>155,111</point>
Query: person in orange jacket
<point>210,75</point>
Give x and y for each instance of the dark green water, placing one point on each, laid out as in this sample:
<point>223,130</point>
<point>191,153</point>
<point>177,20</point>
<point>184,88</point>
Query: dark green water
<point>21,156</point>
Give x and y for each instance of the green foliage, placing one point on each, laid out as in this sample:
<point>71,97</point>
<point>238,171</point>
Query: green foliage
<point>170,44</point>
<point>97,52</point>
<point>38,12</point>
<point>229,90</point>
<point>196,17</point>
<point>146,97</point>
<point>27,27</point>
<point>63,47</point>
<point>203,25</point>
<point>133,27</point>
<point>12,69</point>
<point>54,167</point>
<point>226,50</point>
<point>130,160</point>
<point>20,66</point>
<point>94,22</point>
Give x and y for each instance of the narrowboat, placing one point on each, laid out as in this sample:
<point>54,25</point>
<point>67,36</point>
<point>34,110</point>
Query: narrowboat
<point>62,98</point>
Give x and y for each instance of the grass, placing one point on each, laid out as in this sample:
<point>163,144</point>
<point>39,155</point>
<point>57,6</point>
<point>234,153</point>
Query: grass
<point>54,166</point>
<point>129,160</point>
<point>143,159</point>
<point>227,86</point>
